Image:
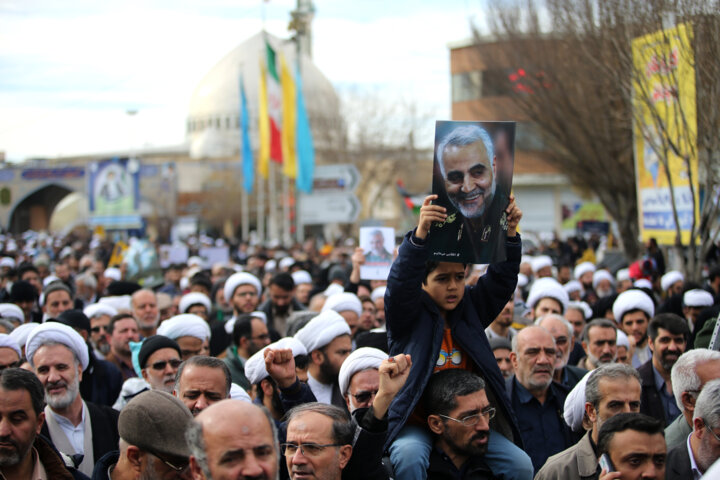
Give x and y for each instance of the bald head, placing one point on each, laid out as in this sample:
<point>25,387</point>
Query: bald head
<point>237,429</point>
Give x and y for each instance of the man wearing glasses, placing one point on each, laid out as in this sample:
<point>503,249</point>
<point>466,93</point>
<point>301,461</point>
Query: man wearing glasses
<point>459,416</point>
<point>319,441</point>
<point>693,458</point>
<point>152,443</point>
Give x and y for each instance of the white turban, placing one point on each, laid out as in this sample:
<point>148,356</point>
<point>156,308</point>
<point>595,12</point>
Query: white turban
<point>622,274</point>
<point>359,360</point>
<point>643,283</point>
<point>333,289</point>
<point>301,276</point>
<point>7,262</point>
<point>341,302</point>
<point>193,298</point>
<point>22,332</point>
<point>583,268</point>
<point>270,265</point>
<point>601,275</point>
<point>240,278</point>
<point>573,286</point>
<point>57,333</point>
<point>255,369</point>
<point>583,307</point>
<point>185,325</point>
<point>238,393</point>
<point>230,324</point>
<point>622,339</point>
<point>196,262</point>
<point>118,302</point>
<point>575,404</point>
<point>113,273</point>
<point>670,278</point>
<point>322,330</point>
<point>522,280</point>
<point>6,341</point>
<point>286,263</point>
<point>547,288</point>
<point>10,310</point>
<point>632,300</point>
<point>698,298</point>
<point>540,262</point>
<point>99,309</point>
<point>50,279</point>
<point>379,292</point>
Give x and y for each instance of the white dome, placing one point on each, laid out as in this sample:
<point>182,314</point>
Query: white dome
<point>213,120</point>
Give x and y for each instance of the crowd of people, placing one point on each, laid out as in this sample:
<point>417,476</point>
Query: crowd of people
<point>287,364</point>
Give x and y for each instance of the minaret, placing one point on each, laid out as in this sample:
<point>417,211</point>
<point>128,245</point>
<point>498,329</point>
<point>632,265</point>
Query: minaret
<point>301,23</point>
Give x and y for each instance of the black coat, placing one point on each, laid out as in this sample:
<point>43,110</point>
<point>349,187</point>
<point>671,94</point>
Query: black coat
<point>650,401</point>
<point>104,430</point>
<point>677,464</point>
<point>101,382</point>
<point>441,468</point>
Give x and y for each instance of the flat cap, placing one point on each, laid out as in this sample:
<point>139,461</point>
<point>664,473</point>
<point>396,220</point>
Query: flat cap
<point>155,422</point>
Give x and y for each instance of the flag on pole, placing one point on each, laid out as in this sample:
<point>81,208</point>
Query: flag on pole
<point>304,141</point>
<point>247,157</point>
<point>263,125</point>
<point>274,104</point>
<point>289,110</point>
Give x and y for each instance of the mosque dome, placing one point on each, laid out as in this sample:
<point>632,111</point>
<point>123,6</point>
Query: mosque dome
<point>213,123</point>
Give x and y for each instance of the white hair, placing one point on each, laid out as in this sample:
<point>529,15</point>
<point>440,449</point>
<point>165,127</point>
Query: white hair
<point>684,375</point>
<point>462,136</point>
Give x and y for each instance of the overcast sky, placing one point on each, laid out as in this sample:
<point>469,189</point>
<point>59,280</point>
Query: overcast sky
<point>71,69</point>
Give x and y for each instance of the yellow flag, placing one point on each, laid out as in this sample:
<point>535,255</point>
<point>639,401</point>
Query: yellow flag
<point>289,118</point>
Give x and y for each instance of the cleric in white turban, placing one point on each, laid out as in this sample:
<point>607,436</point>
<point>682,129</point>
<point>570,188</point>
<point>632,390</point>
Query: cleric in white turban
<point>574,410</point>
<point>633,310</point>
<point>631,300</point>
<point>322,330</point>
<point>364,358</point>
<point>237,279</point>
<point>22,332</point>
<point>99,309</point>
<point>348,305</point>
<point>190,302</point>
<point>6,341</point>
<point>12,312</point>
<point>547,288</point>
<point>54,332</point>
<point>191,333</point>
<point>672,280</point>
<point>581,271</point>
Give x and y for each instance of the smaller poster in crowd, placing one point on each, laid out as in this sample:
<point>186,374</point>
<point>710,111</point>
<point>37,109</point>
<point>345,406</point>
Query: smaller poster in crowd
<point>213,255</point>
<point>170,254</point>
<point>378,245</point>
<point>114,193</point>
<point>472,177</point>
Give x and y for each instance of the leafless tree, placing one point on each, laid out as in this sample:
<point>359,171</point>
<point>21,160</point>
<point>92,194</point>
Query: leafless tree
<point>579,85</point>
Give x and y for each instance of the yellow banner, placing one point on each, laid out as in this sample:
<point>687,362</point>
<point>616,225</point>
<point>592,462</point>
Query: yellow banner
<point>665,127</point>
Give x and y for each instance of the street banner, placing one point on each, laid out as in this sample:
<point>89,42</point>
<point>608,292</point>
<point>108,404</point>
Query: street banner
<point>114,193</point>
<point>665,134</point>
<point>472,177</point>
<point>378,244</point>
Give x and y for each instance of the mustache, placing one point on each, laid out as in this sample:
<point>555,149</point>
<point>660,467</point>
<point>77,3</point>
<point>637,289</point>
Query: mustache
<point>59,383</point>
<point>8,439</point>
<point>472,193</point>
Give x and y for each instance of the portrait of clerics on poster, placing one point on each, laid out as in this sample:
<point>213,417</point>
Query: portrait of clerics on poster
<point>472,177</point>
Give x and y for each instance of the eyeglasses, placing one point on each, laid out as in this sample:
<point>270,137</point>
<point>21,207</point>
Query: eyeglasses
<point>174,363</point>
<point>711,432</point>
<point>471,420</point>
<point>97,329</point>
<point>364,396</point>
<point>178,468</point>
<point>307,449</point>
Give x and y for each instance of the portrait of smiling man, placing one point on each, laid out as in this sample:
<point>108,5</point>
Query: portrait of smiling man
<point>466,181</point>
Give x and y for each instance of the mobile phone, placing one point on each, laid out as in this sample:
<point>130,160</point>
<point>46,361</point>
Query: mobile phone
<point>605,463</point>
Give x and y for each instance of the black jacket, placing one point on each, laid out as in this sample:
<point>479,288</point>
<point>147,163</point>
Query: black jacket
<point>677,464</point>
<point>101,382</point>
<point>100,472</point>
<point>105,434</point>
<point>650,401</point>
<point>442,468</point>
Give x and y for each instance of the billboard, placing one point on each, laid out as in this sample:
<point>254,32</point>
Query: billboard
<point>665,133</point>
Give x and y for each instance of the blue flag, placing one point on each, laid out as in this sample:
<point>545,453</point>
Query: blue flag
<point>304,142</point>
<point>246,149</point>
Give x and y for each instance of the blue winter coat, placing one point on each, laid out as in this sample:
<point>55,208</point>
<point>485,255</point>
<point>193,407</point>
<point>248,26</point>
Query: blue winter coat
<point>415,326</point>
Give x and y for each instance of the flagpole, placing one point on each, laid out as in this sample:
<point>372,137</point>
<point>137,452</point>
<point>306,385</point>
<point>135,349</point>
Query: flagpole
<point>287,239</point>
<point>260,210</point>
<point>272,194</point>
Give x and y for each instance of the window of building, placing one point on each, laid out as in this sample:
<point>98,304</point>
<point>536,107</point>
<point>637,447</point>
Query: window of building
<point>496,83</point>
<point>466,86</point>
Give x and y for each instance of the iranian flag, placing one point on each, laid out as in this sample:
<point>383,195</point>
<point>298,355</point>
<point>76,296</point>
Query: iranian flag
<point>270,111</point>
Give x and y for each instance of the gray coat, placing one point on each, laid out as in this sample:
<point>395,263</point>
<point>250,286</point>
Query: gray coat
<point>576,463</point>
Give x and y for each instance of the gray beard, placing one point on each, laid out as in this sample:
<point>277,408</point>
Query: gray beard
<point>59,402</point>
